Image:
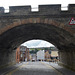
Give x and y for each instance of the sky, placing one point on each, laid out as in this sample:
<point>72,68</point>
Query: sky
<point>37,43</point>
<point>34,4</point>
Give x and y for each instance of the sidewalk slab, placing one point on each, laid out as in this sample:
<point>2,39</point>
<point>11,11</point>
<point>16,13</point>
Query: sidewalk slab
<point>63,70</point>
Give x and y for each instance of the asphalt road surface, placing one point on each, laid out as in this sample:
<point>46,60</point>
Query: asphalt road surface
<point>34,68</point>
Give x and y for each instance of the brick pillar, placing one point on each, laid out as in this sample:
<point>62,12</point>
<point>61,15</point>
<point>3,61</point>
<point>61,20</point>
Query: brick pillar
<point>28,54</point>
<point>18,55</point>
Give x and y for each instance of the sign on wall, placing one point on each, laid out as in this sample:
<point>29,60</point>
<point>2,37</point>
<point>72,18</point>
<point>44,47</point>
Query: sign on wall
<point>72,21</point>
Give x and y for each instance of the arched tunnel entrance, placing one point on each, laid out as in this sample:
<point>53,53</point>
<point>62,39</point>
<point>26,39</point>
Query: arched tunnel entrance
<point>12,38</point>
<point>36,50</point>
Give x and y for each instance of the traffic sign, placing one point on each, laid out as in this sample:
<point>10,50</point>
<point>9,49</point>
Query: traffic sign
<point>72,21</point>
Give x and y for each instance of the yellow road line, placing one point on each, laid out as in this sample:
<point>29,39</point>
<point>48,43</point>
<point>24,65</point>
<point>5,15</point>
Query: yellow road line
<point>58,72</point>
<point>10,73</point>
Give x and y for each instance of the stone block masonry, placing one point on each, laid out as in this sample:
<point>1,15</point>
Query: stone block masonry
<point>49,23</point>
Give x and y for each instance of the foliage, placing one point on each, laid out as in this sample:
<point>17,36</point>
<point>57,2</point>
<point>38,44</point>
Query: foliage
<point>35,50</point>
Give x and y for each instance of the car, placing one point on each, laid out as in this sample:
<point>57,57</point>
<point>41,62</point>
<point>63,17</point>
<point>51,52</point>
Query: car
<point>33,60</point>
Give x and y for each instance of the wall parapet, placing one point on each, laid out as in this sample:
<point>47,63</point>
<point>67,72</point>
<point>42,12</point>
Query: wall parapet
<point>71,8</point>
<point>43,10</point>
<point>20,10</point>
<point>1,10</point>
<point>50,9</point>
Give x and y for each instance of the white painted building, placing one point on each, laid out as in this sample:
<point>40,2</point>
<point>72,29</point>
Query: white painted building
<point>41,55</point>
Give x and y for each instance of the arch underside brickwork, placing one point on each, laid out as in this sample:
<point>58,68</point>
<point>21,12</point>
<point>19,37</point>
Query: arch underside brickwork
<point>19,34</point>
<point>12,35</point>
<point>49,24</point>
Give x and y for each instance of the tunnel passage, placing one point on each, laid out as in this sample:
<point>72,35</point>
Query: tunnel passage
<point>12,38</point>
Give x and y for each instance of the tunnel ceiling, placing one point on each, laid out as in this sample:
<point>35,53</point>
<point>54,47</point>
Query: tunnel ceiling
<point>12,38</point>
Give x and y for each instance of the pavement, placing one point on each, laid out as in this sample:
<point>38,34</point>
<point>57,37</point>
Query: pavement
<point>3,71</point>
<point>36,68</point>
<point>61,69</point>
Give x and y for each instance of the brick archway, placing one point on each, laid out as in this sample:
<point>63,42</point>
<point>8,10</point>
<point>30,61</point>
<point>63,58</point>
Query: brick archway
<point>35,21</point>
<point>55,29</point>
<point>49,23</point>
